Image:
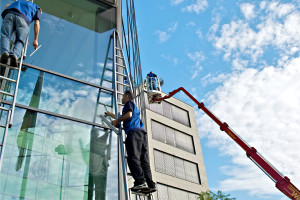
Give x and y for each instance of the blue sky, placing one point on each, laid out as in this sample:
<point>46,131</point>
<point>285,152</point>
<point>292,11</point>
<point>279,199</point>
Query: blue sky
<point>241,58</point>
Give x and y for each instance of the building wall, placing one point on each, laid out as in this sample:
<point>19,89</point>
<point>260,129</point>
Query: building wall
<point>171,183</point>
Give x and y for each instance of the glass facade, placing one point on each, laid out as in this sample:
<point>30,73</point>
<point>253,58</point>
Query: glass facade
<point>57,147</point>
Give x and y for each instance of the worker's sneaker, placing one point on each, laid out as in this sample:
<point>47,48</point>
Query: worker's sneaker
<point>13,60</point>
<point>4,57</point>
<point>139,187</point>
<point>151,188</point>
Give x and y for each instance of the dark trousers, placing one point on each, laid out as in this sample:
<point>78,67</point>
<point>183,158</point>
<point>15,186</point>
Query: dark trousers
<point>138,159</point>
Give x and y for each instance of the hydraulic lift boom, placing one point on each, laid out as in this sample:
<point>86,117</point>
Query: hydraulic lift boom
<point>282,182</point>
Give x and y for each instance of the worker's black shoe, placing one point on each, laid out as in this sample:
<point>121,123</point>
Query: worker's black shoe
<point>139,187</point>
<point>4,58</point>
<point>151,188</point>
<point>13,60</point>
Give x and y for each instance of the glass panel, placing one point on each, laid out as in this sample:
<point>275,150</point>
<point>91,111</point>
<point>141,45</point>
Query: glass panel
<point>191,172</point>
<point>156,108</point>
<point>180,140</point>
<point>158,131</point>
<point>167,109</point>
<point>162,192</point>
<point>170,136</point>
<point>52,158</point>
<point>75,38</point>
<point>170,165</point>
<point>59,95</point>
<point>179,167</point>
<point>180,115</point>
<point>159,162</point>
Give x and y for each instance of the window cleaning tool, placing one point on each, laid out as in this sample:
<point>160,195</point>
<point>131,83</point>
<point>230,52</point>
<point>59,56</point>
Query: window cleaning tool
<point>35,51</point>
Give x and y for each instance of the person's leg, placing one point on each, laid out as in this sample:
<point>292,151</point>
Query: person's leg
<point>145,163</point>
<point>22,30</point>
<point>133,147</point>
<point>6,33</point>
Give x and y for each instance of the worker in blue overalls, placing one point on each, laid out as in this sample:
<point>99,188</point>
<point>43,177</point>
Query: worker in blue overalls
<point>152,78</point>
<point>17,17</point>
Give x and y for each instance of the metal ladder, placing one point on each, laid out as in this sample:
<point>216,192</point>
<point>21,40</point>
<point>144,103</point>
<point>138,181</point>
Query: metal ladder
<point>121,83</point>
<point>11,76</point>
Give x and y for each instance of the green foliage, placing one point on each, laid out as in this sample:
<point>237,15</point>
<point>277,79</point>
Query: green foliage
<point>214,196</point>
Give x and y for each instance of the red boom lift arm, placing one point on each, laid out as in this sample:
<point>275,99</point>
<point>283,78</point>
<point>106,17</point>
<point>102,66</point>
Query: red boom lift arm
<point>282,182</point>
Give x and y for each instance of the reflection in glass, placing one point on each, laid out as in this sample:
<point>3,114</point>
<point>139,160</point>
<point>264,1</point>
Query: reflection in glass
<point>63,96</point>
<point>51,158</point>
<point>75,37</point>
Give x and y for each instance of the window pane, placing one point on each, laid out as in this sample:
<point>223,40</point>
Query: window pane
<point>58,158</point>
<point>167,109</point>
<point>162,192</point>
<point>179,167</point>
<point>159,161</point>
<point>75,37</point>
<point>180,115</point>
<point>170,136</point>
<point>158,131</point>
<point>180,140</point>
<point>170,165</point>
<point>156,108</point>
<point>60,95</point>
<point>191,172</point>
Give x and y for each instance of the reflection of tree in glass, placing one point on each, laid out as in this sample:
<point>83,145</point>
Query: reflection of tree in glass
<point>96,156</point>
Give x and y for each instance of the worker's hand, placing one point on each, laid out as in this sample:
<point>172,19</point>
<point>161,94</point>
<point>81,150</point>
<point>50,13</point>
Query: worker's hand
<point>108,113</point>
<point>35,44</point>
<point>115,123</point>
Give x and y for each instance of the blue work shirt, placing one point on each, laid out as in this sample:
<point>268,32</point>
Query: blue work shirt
<point>27,10</point>
<point>135,121</point>
<point>151,75</point>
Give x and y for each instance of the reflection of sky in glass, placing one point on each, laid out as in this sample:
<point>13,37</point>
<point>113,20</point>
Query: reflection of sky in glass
<point>46,169</point>
<point>63,96</point>
<point>69,49</point>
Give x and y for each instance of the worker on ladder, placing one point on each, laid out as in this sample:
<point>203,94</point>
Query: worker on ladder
<point>17,17</point>
<point>136,144</point>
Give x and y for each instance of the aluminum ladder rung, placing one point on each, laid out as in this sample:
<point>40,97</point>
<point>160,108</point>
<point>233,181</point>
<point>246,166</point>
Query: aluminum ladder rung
<point>6,93</point>
<point>109,69</point>
<point>104,104</point>
<point>120,65</point>
<point>15,68</point>
<point>121,74</point>
<point>108,58</point>
<point>121,57</point>
<point>8,79</point>
<point>2,126</point>
<point>3,108</point>
<point>122,84</point>
<point>122,93</point>
<point>120,104</point>
<point>107,80</point>
<point>117,48</point>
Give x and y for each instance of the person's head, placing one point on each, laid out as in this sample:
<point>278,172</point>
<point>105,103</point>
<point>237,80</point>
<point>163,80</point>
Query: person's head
<point>128,96</point>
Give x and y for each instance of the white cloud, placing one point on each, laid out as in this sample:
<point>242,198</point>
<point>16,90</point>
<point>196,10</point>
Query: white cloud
<point>173,27</point>
<point>276,28</point>
<point>170,58</point>
<point>199,33</point>
<point>262,106</point>
<point>248,10</point>
<point>197,7</point>
<point>162,36</point>
<point>191,23</point>
<point>176,2</point>
<point>197,57</point>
